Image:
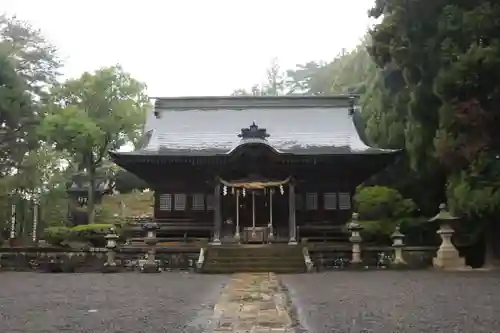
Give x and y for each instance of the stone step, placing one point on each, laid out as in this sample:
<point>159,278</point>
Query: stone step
<point>231,270</point>
<point>254,258</point>
<point>244,247</point>
<point>255,263</point>
<point>253,252</point>
<point>263,258</point>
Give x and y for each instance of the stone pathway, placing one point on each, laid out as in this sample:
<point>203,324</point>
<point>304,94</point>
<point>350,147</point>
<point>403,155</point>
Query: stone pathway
<point>253,303</point>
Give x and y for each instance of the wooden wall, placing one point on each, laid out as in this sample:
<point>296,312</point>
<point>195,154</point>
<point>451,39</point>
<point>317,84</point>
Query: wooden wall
<point>182,193</point>
<point>324,192</point>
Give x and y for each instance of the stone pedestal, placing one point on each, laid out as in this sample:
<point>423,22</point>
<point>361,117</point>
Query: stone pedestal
<point>237,236</point>
<point>398,245</point>
<point>110,264</point>
<point>447,256</point>
<point>355,228</point>
<point>270,237</point>
<point>216,239</point>
<point>150,266</point>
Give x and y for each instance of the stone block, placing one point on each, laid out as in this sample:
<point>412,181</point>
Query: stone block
<point>150,268</point>
<point>448,258</point>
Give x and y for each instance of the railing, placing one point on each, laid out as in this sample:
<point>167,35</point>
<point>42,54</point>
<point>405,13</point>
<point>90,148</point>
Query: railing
<point>324,229</point>
<point>201,258</point>
<point>307,260</point>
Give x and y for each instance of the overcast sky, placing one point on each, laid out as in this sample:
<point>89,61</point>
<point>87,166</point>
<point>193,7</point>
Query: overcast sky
<point>194,47</point>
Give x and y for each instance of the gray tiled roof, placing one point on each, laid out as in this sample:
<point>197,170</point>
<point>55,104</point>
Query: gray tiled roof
<point>297,127</point>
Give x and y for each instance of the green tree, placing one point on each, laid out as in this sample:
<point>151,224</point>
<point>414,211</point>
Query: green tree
<point>34,58</point>
<point>311,78</point>
<point>347,73</point>
<point>92,114</point>
<point>275,84</point>
<point>447,103</point>
<point>28,67</point>
<point>467,142</point>
<point>404,110</point>
<point>17,118</point>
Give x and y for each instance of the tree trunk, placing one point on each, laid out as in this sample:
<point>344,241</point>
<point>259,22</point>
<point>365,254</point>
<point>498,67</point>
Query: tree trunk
<point>91,171</point>
<point>490,259</point>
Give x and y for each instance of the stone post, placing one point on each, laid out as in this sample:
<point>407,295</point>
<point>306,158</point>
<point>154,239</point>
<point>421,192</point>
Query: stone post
<point>35,221</point>
<point>13,225</point>
<point>355,228</point>
<point>447,256</point>
<point>151,266</point>
<point>397,245</point>
<point>110,264</point>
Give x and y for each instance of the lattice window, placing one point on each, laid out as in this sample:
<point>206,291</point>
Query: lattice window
<point>344,201</point>
<point>330,201</point>
<point>210,202</point>
<point>198,201</point>
<point>165,202</point>
<point>180,201</point>
<point>311,201</point>
<point>299,202</point>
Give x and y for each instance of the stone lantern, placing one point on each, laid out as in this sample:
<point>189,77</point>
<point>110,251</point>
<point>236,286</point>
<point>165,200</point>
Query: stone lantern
<point>355,228</point>
<point>151,266</point>
<point>398,244</point>
<point>447,256</point>
<point>110,264</point>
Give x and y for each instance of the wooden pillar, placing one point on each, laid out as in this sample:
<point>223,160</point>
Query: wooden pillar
<point>237,234</point>
<point>253,210</point>
<point>217,215</point>
<point>271,192</point>
<point>292,228</point>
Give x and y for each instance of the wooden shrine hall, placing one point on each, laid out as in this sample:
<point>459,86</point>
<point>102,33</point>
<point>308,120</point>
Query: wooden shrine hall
<point>254,169</point>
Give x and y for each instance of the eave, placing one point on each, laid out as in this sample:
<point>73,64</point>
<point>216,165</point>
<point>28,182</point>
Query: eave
<point>210,157</point>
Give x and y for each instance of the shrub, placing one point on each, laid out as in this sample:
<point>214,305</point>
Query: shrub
<point>102,228</point>
<point>379,202</point>
<point>381,209</point>
<point>56,235</point>
<point>90,233</point>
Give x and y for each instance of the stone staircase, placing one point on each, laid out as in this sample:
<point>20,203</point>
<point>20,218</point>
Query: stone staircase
<point>276,258</point>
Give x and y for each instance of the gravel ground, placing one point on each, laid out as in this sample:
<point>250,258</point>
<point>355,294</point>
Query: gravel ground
<point>98,303</point>
<point>389,301</point>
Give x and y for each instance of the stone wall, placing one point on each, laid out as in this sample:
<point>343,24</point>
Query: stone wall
<point>130,259</point>
<point>92,260</point>
<point>372,256</point>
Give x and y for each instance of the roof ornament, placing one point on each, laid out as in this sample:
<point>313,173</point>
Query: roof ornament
<point>253,132</point>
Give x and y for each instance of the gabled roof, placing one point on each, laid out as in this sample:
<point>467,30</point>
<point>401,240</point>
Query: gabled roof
<point>301,125</point>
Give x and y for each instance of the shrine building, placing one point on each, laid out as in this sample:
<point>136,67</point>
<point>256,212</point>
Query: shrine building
<point>254,169</point>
